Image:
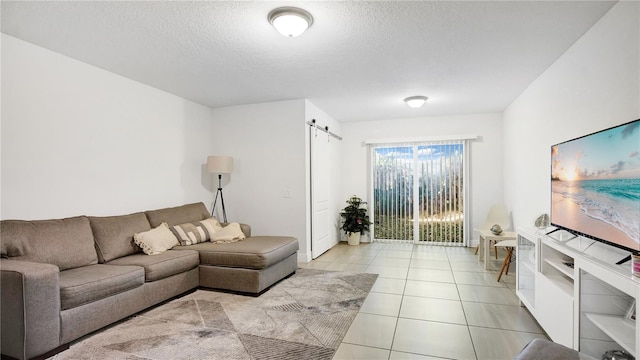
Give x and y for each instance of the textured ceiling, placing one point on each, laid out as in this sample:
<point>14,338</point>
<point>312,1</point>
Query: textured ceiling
<point>357,61</point>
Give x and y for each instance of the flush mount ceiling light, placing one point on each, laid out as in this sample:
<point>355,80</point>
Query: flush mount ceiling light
<point>415,101</point>
<point>290,21</point>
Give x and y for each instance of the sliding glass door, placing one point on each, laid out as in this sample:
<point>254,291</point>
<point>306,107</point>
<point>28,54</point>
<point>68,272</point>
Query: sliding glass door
<point>419,192</point>
<point>393,193</point>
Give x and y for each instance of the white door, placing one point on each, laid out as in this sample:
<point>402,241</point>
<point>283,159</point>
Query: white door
<point>320,192</point>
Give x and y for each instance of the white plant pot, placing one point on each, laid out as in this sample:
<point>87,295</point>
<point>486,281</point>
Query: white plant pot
<point>354,238</point>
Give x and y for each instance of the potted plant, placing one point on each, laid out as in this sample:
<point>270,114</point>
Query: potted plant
<point>355,220</point>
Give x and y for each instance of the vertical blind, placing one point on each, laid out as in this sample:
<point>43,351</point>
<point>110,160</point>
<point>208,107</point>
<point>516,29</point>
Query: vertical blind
<point>418,192</point>
<point>392,213</point>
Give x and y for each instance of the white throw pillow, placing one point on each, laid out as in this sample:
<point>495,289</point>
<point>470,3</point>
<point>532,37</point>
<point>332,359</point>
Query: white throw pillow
<point>157,240</point>
<point>228,234</point>
<point>212,225</point>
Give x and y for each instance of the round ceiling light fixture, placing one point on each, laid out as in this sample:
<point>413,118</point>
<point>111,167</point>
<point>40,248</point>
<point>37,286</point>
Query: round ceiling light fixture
<point>290,21</point>
<point>415,101</point>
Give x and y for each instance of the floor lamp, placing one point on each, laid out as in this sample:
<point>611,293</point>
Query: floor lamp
<point>220,165</point>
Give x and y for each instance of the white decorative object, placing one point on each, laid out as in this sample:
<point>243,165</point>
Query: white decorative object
<point>542,222</point>
<point>496,229</point>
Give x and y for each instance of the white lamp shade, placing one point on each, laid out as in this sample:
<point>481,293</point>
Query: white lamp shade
<point>220,164</point>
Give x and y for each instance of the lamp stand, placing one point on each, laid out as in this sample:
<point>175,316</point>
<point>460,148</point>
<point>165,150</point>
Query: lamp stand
<point>219,192</point>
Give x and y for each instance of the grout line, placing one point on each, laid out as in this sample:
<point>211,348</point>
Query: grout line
<point>393,338</point>
<point>464,312</point>
<point>449,260</point>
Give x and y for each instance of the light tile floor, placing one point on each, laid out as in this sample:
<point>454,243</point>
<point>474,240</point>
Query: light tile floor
<point>431,302</point>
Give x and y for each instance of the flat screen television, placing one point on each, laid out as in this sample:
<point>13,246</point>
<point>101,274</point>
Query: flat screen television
<point>595,186</point>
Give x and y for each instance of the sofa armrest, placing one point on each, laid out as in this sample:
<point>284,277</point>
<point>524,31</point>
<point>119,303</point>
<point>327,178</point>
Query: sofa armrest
<point>246,229</point>
<point>29,308</point>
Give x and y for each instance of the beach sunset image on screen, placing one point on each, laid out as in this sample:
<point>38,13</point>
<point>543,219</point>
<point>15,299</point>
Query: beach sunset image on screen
<point>595,185</point>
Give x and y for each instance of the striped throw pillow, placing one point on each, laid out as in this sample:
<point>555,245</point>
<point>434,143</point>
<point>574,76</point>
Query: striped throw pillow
<point>197,232</point>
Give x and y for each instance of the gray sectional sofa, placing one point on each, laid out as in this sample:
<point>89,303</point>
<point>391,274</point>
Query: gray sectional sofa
<point>62,279</point>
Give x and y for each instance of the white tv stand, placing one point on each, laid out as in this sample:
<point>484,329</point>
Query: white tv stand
<point>584,307</point>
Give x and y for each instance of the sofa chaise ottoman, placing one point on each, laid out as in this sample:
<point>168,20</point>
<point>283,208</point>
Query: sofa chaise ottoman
<point>248,266</point>
<point>65,278</point>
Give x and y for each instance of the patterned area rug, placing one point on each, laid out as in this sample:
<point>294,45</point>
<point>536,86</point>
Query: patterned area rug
<point>303,317</point>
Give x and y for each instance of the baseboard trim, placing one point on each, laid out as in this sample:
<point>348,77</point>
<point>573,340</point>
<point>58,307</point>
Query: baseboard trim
<point>304,257</point>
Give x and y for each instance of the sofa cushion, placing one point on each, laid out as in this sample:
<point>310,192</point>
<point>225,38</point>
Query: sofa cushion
<point>114,234</point>
<point>91,283</point>
<point>163,265</point>
<point>66,243</point>
<point>156,241</point>
<point>178,215</point>
<point>257,252</point>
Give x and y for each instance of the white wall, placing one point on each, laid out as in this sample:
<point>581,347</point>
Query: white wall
<point>267,143</point>
<point>486,155</point>
<point>80,140</point>
<point>593,86</point>
<point>1,82</point>
<point>270,147</point>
